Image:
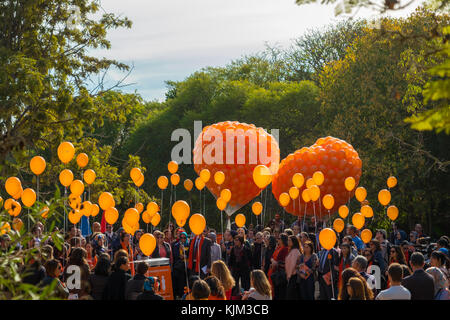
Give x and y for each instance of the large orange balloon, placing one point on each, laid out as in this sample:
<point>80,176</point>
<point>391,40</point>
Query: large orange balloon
<point>77,187</point>
<point>89,176</point>
<point>335,158</point>
<point>236,158</point>
<point>240,220</point>
<point>111,215</point>
<point>82,160</point>
<point>147,243</point>
<point>358,220</point>
<point>392,212</point>
<point>28,197</point>
<point>257,208</point>
<point>197,223</point>
<point>188,184</point>
<point>106,200</point>
<point>163,182</point>
<point>361,194</point>
<point>205,175</point>
<point>172,166</point>
<point>327,238</point>
<point>175,179</point>
<point>180,210</point>
<point>384,197</point>
<point>131,216</point>
<point>13,186</point>
<point>366,235</point>
<point>37,165</point>
<point>66,177</point>
<point>66,151</point>
<point>391,182</point>
<point>338,225</point>
<point>262,176</point>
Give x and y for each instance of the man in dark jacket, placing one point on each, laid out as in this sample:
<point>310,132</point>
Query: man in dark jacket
<point>420,283</point>
<point>200,247</point>
<point>257,251</point>
<point>241,262</point>
<point>328,274</point>
<point>115,287</point>
<point>135,285</point>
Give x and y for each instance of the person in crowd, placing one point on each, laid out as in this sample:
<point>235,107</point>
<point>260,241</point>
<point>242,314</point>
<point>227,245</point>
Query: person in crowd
<point>353,232</point>
<point>251,236</point>
<point>135,286</point>
<point>419,231</point>
<point>117,281</point>
<point>36,237</point>
<point>292,262</point>
<point>98,244</point>
<point>53,271</point>
<point>217,290</point>
<point>180,253</point>
<point>345,260</point>
<point>360,264</point>
<point>407,250</point>
<point>91,258</point>
<point>355,289</point>
<point>328,270</point>
<point>377,255</point>
<point>442,245</point>
<point>278,223</point>
<point>348,240</point>
<point>200,290</point>
<point>397,255</point>
<point>303,238</point>
<point>200,256</point>
<point>260,288</point>
<point>396,291</point>
<point>216,252</point>
<point>110,239</point>
<point>220,270</point>
<point>381,236</point>
<point>78,259</point>
<point>413,238</point>
<point>162,249</point>
<point>306,272</point>
<point>257,251</point>
<point>226,245</point>
<point>420,283</point>
<point>277,273</point>
<point>346,276</point>
<point>439,260</point>
<point>188,292</point>
<point>99,277</point>
<point>296,230</point>
<point>151,286</point>
<point>397,235</point>
<point>289,232</point>
<point>241,262</point>
<point>441,291</point>
<point>125,244</point>
<point>243,233</point>
<point>270,244</point>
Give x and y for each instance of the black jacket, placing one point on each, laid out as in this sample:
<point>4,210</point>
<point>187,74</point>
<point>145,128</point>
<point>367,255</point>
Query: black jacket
<point>420,284</point>
<point>98,284</point>
<point>257,252</point>
<point>149,295</point>
<point>134,287</point>
<point>115,287</point>
<point>245,263</point>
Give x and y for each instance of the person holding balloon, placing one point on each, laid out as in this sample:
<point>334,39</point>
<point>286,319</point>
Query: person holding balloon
<point>328,270</point>
<point>200,256</point>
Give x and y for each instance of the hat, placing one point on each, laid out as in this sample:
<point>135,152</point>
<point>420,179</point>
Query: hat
<point>444,250</point>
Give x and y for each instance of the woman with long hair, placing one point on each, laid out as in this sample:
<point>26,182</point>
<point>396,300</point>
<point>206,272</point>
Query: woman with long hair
<point>99,277</point>
<point>217,290</point>
<point>277,268</point>
<point>220,270</point>
<point>439,260</point>
<point>260,287</point>
<point>306,271</point>
<point>270,245</point>
<point>355,289</point>
<point>345,260</point>
<point>78,258</point>
<point>347,274</point>
<point>292,262</point>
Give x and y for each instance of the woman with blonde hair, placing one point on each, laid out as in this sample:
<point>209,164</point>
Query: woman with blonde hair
<point>220,270</point>
<point>355,289</point>
<point>260,287</point>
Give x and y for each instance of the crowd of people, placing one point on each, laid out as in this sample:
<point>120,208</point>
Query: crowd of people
<point>276,262</point>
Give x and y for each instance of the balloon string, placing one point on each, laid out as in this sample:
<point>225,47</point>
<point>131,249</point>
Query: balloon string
<point>304,216</point>
<point>162,197</point>
<point>332,284</point>
<point>185,266</point>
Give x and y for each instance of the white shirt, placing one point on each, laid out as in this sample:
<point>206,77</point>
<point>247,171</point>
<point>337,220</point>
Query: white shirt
<point>394,293</point>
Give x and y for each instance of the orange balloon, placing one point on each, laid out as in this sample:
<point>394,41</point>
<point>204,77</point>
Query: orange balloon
<point>257,208</point>
<point>205,175</point>
<point>163,182</point>
<point>175,179</point>
<point>221,204</point>
<point>343,211</point>
<point>197,223</point>
<point>146,217</point>
<point>85,208</point>
<point>77,187</point>
<point>8,204</point>
<point>199,184</point>
<point>94,210</point>
<point>361,194</point>
<point>156,219</point>
<point>284,199</point>
<point>225,194</point>
<point>262,176</point>
<point>306,195</point>
<point>66,151</point>
<point>28,197</point>
<point>139,207</point>
<point>139,181</point>
<point>327,238</point>
<point>298,180</point>
<point>318,178</point>
<point>147,244</point>
<point>17,224</point>
<point>314,191</point>
<point>338,225</point>
<point>44,212</point>
<point>391,182</point>
<point>37,165</point>
<point>358,220</point>
<point>5,227</point>
<point>366,235</point>
<point>135,174</point>
<point>309,183</point>
<point>82,160</point>
<point>349,183</point>
<point>15,209</point>
<point>180,210</point>
<point>367,211</point>
<point>172,166</point>
<point>74,201</point>
<point>131,216</point>
<point>74,216</point>
<point>188,184</point>
<point>392,212</point>
<point>240,220</point>
<point>106,201</point>
<point>294,192</point>
<point>18,194</point>
<point>13,186</point>
<point>89,176</point>
<point>219,177</point>
<point>384,197</point>
<point>66,177</point>
<point>111,215</point>
<point>328,201</point>
<point>152,208</point>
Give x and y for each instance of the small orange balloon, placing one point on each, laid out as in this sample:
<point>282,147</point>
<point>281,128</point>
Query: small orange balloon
<point>77,187</point>
<point>147,244</point>
<point>221,204</point>
<point>240,220</point>
<point>152,208</point>
<point>384,197</point>
<point>298,180</point>
<point>199,184</point>
<point>82,160</point>
<point>309,183</point>
<point>172,166</point>
<point>314,191</point>
<point>94,210</point>
<point>392,212</point>
<point>181,210</point>
<point>135,174</point>
<point>338,225</point>
<point>28,197</point>
<point>366,235</point>
<point>66,152</point>
<point>106,201</point>
<point>225,194</point>
<point>188,184</point>
<point>17,224</point>
<point>37,165</point>
<point>156,219</point>
<point>175,179</point>
<point>197,223</point>
<point>349,183</point>
<point>294,192</point>
<point>306,195</point>
<point>205,175</point>
<point>13,186</point>
<point>367,211</point>
<point>139,207</point>
<point>328,201</point>
<point>219,177</point>
<point>89,176</point>
<point>262,176</point>
<point>257,208</point>
<point>318,178</point>
<point>66,177</point>
<point>343,211</point>
<point>284,199</point>
<point>327,238</point>
<point>361,194</point>
<point>358,220</point>
<point>163,182</point>
<point>391,182</point>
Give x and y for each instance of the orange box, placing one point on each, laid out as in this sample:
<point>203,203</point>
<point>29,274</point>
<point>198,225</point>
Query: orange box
<point>164,274</point>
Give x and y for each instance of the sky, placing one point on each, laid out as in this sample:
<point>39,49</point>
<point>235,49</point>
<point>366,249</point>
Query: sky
<point>171,39</point>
